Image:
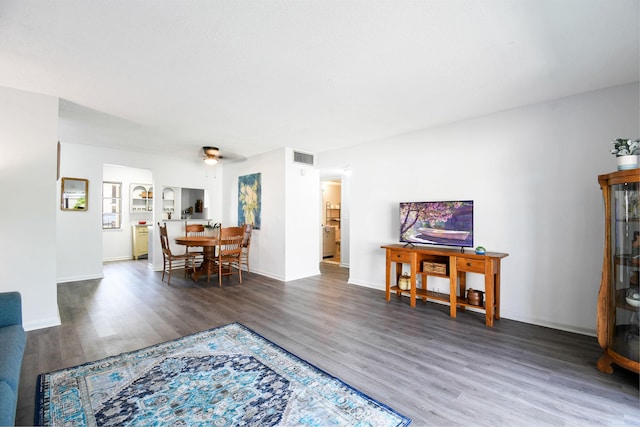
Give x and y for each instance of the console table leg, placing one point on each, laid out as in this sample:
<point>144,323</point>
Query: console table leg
<point>490,296</point>
<point>388,284</point>
<point>463,287</point>
<point>496,280</point>
<point>453,289</point>
<point>496,313</point>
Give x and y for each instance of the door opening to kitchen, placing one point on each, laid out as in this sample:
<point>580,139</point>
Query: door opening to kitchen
<point>331,197</point>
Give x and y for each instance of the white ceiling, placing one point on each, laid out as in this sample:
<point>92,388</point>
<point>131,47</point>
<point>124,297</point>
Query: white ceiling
<point>252,76</point>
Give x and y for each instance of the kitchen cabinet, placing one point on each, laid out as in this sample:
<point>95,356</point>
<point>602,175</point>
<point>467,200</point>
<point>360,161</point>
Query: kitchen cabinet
<point>140,240</point>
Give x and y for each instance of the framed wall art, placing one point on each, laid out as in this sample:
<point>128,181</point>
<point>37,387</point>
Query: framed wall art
<point>73,194</point>
<point>249,200</point>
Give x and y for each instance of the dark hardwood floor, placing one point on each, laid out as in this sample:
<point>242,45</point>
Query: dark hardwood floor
<point>433,369</point>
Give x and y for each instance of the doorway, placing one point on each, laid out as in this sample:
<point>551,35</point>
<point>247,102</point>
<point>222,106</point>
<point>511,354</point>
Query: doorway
<point>331,221</point>
<point>135,210</point>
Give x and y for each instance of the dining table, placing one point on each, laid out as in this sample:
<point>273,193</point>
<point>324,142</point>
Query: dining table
<point>209,245</point>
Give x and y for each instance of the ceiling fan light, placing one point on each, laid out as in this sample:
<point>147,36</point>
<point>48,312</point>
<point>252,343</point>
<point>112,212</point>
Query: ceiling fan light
<point>211,160</point>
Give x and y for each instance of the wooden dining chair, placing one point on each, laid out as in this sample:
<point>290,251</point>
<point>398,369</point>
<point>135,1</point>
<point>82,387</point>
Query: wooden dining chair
<point>195,230</point>
<point>171,261</point>
<point>246,244</point>
<point>229,252</point>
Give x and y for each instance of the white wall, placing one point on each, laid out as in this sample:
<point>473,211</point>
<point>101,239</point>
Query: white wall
<point>289,209</point>
<point>302,219</point>
<point>532,173</point>
<point>267,243</point>
<point>28,137</point>
<point>79,237</point>
<point>345,223</point>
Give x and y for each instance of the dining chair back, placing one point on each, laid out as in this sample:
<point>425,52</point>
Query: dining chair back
<point>172,261</point>
<point>195,230</point>
<point>246,244</point>
<point>229,252</point>
<point>231,231</point>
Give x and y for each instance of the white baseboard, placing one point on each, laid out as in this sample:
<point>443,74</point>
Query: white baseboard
<point>42,323</point>
<point>118,258</point>
<point>61,280</point>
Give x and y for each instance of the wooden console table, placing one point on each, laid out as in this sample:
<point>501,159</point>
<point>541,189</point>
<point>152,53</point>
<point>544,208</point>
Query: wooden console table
<point>457,264</point>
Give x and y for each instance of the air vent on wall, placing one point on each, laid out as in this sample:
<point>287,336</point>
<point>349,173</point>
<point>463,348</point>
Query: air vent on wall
<point>305,158</point>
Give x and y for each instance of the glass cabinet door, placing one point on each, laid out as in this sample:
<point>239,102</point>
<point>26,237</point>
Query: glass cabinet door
<point>625,253</point>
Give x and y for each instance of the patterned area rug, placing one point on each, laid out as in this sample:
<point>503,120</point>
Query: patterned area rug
<point>227,376</point>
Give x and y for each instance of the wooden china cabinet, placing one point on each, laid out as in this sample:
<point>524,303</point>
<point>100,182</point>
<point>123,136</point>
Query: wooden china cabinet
<point>618,298</point>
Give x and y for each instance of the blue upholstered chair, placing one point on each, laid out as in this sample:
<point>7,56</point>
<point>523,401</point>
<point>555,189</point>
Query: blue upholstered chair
<point>13,340</point>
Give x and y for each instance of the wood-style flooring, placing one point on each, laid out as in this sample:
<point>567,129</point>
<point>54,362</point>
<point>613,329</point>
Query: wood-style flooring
<point>436,370</point>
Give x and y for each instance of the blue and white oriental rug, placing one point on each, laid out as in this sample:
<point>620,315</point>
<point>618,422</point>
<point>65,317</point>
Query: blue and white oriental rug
<point>227,376</point>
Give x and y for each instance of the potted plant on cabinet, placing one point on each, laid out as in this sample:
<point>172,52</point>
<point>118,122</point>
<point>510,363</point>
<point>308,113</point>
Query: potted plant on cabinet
<point>626,152</point>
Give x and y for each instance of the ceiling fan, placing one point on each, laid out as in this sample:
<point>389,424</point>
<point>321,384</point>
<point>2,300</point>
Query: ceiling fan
<point>211,155</point>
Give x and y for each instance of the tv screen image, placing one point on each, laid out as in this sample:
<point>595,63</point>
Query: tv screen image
<point>448,223</point>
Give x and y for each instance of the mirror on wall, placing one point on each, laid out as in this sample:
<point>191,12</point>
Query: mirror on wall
<point>73,194</point>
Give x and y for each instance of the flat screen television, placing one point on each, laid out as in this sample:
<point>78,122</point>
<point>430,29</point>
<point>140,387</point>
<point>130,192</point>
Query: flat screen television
<point>448,223</point>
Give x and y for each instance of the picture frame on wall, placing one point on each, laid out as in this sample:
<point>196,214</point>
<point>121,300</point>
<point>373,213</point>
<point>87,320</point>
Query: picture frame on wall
<point>250,200</point>
<point>73,194</point>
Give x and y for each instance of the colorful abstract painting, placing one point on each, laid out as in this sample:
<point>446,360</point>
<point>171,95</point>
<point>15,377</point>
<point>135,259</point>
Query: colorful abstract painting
<point>249,200</point>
